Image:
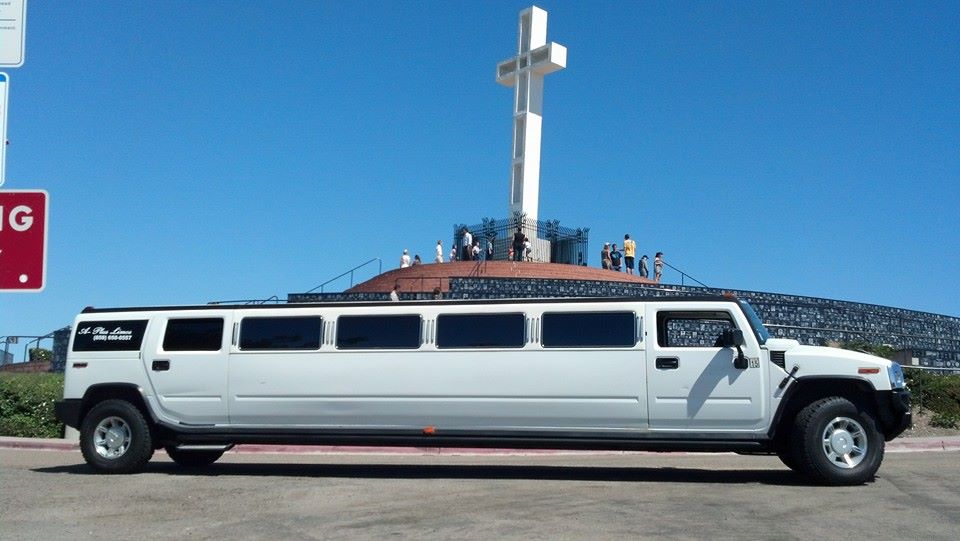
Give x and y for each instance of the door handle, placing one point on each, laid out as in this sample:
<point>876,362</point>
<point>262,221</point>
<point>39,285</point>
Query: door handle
<point>160,365</point>
<point>668,363</point>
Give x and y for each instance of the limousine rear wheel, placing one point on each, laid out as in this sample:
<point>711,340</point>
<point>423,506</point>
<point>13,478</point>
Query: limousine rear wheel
<point>115,437</point>
<point>193,458</point>
<point>837,443</point>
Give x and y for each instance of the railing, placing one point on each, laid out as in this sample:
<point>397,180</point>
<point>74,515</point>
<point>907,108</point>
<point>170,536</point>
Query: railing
<point>8,340</point>
<point>271,300</point>
<point>684,275</point>
<point>476,270</point>
<point>350,272</point>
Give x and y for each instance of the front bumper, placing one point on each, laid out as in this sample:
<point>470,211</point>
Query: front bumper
<point>894,412</point>
<point>68,411</point>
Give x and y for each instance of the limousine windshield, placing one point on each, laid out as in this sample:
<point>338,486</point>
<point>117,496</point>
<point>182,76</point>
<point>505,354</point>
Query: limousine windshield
<point>758,329</point>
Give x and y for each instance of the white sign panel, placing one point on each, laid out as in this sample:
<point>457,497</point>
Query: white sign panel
<point>13,31</point>
<point>4,85</point>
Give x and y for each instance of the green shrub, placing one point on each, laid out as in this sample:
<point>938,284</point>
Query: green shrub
<point>945,421</point>
<point>26,405</point>
<point>937,393</point>
<point>40,355</point>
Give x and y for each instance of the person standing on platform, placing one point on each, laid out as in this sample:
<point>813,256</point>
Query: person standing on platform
<point>658,266</point>
<point>489,248</point>
<point>439,258</point>
<point>629,251</point>
<point>453,254</point>
<point>405,259</point>
<point>605,256</point>
<point>518,244</point>
<point>475,250</point>
<point>615,258</point>
<point>644,272</point>
<point>527,250</point>
<point>466,244</point>
<point>416,260</point>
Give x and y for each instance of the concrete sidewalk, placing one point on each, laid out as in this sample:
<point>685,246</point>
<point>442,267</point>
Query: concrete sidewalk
<point>899,445</point>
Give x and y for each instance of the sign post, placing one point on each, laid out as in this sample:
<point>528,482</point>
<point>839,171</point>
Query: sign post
<point>4,92</point>
<point>23,240</point>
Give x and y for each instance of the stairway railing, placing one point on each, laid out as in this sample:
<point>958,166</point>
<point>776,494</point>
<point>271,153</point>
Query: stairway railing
<point>350,272</point>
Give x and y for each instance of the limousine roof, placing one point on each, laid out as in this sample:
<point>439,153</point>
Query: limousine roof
<point>428,302</point>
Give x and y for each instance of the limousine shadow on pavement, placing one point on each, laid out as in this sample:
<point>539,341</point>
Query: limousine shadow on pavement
<point>497,472</point>
<point>276,461</point>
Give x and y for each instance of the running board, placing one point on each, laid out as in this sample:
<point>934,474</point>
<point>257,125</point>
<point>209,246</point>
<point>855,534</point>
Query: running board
<point>189,447</point>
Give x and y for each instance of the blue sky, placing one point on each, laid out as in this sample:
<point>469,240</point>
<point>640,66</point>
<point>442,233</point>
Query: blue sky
<point>196,151</point>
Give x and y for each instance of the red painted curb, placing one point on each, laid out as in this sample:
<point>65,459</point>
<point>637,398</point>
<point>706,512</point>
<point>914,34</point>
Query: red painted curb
<point>38,444</point>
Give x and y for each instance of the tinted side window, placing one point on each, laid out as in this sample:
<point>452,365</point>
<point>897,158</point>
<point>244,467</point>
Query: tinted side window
<point>589,329</point>
<point>281,333</point>
<point>378,332</point>
<point>117,335</point>
<point>193,335</point>
<point>691,329</point>
<point>480,331</point>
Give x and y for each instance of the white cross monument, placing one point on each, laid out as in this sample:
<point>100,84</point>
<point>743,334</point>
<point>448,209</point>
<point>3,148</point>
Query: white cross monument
<point>535,58</point>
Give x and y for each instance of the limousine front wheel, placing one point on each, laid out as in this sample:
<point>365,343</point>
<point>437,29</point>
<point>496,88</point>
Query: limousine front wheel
<point>115,437</point>
<point>836,442</point>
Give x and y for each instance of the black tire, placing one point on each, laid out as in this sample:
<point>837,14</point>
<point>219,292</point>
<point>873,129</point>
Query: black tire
<point>827,461</point>
<point>193,458</point>
<point>786,455</point>
<point>115,437</point>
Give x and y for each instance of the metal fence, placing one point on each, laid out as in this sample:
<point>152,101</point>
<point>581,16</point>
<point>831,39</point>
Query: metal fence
<point>567,245</point>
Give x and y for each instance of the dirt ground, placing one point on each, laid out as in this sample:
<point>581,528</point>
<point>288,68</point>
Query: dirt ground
<point>921,427</point>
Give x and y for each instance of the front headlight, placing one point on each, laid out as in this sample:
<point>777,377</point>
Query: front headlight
<point>895,372</point>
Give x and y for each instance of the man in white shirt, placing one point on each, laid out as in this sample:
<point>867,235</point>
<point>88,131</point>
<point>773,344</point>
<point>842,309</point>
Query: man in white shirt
<point>467,245</point>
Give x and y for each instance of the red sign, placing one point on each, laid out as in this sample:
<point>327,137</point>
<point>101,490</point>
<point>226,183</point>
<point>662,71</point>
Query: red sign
<point>23,240</point>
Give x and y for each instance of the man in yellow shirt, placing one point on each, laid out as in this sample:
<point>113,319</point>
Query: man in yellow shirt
<point>629,250</point>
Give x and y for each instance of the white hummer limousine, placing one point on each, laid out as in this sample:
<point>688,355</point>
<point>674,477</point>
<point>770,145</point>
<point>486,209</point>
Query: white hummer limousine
<point>666,373</point>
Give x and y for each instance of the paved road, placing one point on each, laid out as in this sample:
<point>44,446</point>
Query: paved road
<point>51,495</point>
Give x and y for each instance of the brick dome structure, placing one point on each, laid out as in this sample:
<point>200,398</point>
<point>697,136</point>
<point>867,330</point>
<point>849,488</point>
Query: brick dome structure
<point>425,278</point>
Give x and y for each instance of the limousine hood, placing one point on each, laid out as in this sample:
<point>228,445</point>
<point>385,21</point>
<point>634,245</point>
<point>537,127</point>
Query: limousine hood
<point>830,361</point>
<point>795,350</point>
<point>781,344</point>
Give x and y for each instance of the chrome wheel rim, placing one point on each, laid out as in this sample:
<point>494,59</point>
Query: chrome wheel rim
<point>844,442</point>
<point>112,438</point>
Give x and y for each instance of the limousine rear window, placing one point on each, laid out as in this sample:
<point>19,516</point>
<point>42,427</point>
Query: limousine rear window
<point>589,329</point>
<point>204,334</point>
<point>378,332</point>
<point>480,331</point>
<point>272,333</point>
<point>114,335</point>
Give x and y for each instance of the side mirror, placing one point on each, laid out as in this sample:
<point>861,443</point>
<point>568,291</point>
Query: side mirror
<point>737,337</point>
<point>734,338</point>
